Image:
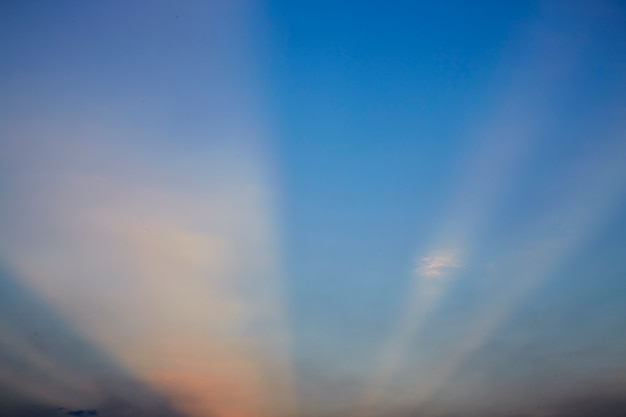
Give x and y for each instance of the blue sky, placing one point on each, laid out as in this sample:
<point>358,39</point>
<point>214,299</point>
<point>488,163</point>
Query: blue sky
<point>273,208</point>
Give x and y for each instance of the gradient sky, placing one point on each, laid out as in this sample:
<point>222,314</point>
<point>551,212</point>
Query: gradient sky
<point>313,209</point>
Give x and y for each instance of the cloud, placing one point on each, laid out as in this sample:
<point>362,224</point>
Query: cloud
<point>437,264</point>
<point>80,413</point>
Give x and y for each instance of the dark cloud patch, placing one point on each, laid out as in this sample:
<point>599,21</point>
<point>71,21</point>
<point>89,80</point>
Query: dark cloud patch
<point>80,413</point>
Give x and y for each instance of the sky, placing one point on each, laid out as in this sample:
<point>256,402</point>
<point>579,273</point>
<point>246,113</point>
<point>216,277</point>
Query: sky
<point>268,208</point>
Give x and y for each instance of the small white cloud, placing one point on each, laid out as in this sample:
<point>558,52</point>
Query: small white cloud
<point>437,264</point>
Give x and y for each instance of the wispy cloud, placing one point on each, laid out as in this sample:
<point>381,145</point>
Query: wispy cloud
<point>437,265</point>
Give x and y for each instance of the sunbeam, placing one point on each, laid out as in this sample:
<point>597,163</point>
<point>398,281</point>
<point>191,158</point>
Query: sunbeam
<point>165,257</point>
<point>544,250</point>
<point>519,120</point>
<point>268,208</point>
